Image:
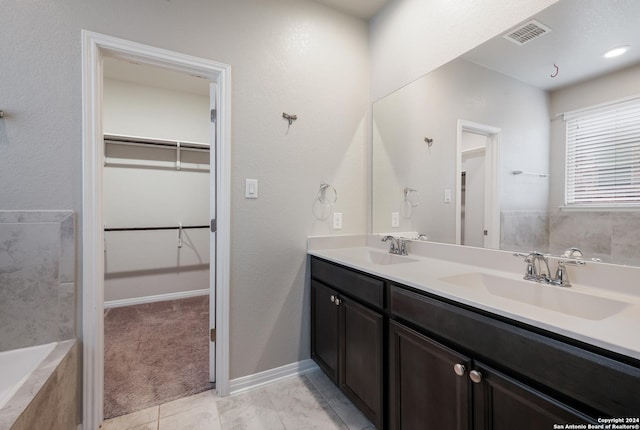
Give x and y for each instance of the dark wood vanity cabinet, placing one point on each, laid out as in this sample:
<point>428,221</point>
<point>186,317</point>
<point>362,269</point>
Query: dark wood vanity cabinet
<point>347,334</point>
<point>503,403</point>
<point>518,375</point>
<point>430,387</point>
<point>325,334</point>
<point>424,390</point>
<point>451,366</point>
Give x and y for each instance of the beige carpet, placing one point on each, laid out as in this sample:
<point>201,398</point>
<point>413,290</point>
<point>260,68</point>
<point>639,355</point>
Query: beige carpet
<point>155,353</point>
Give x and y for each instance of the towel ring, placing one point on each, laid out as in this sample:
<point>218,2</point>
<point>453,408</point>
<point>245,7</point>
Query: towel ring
<point>413,202</point>
<point>322,194</point>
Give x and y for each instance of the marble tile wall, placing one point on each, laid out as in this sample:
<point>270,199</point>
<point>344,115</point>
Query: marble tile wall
<point>524,230</point>
<point>612,236</point>
<point>37,277</point>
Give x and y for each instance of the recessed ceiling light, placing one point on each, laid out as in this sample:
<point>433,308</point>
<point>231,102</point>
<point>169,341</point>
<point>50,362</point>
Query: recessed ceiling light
<point>616,52</point>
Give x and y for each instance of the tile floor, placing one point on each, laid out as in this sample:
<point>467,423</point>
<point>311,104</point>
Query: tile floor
<point>310,401</point>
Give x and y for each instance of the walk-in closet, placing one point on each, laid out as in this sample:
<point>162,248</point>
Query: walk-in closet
<point>156,212</point>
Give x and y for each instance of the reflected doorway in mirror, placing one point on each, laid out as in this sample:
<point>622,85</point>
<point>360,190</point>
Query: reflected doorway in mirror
<point>477,214</point>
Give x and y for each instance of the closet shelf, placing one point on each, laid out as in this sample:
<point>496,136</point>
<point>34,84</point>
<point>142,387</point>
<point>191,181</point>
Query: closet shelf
<point>121,139</point>
<point>178,146</point>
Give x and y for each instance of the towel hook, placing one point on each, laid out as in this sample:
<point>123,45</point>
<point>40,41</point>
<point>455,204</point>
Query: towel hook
<point>289,117</point>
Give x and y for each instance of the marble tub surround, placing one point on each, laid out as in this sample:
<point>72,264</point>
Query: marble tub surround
<point>310,401</point>
<point>37,277</point>
<point>434,261</point>
<point>48,399</point>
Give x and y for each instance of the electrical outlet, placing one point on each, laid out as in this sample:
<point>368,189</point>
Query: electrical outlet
<point>395,219</point>
<point>337,220</point>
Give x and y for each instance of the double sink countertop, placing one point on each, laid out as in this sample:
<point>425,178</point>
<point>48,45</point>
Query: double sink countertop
<point>606,317</point>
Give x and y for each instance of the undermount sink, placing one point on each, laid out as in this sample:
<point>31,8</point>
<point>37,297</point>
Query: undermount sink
<point>559,299</point>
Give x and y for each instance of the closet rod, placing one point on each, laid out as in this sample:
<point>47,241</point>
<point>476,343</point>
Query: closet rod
<point>141,141</point>
<point>184,227</point>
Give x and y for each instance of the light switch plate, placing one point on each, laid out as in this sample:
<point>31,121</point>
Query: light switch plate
<point>251,188</point>
<point>447,196</point>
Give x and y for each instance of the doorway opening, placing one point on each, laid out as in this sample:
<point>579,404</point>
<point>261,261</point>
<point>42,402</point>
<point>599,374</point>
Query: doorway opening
<point>477,211</point>
<point>95,48</point>
<point>156,211</point>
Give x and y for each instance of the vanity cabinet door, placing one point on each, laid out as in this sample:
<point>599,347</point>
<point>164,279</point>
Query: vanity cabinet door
<point>325,336</point>
<point>361,357</point>
<point>502,403</point>
<point>429,386</point>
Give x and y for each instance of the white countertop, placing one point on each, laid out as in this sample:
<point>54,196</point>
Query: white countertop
<point>617,332</point>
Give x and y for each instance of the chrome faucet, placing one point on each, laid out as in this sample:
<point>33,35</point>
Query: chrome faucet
<point>538,267</point>
<point>398,246</point>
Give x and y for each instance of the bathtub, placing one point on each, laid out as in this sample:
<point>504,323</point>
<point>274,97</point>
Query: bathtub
<point>16,366</point>
<point>38,387</point>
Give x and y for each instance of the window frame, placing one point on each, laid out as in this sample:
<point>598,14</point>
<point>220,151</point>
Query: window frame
<point>601,110</point>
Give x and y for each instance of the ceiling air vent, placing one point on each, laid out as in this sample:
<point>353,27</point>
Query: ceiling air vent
<point>527,32</point>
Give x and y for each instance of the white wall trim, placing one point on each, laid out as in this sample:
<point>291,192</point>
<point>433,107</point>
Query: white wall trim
<point>94,47</point>
<point>257,380</point>
<point>153,299</point>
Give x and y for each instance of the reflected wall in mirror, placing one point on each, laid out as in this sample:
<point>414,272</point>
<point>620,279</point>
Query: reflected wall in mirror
<point>493,120</point>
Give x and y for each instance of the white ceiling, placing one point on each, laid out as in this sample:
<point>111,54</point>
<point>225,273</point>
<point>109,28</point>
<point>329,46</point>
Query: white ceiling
<point>364,9</point>
<point>582,30</point>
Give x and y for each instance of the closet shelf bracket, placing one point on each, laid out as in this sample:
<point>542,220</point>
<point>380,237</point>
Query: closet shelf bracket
<point>177,155</point>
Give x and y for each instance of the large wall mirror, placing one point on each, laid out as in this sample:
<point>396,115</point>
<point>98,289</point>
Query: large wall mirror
<point>474,153</point>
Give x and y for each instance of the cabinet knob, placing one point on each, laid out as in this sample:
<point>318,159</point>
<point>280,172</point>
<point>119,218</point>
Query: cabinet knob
<point>459,369</point>
<point>337,302</point>
<point>332,298</point>
<point>475,376</point>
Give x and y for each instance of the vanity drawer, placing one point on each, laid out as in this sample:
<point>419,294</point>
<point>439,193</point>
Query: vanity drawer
<point>365,288</point>
<point>606,385</point>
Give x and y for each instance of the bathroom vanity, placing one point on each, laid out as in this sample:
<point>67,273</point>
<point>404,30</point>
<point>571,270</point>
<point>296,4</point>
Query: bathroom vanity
<point>412,358</point>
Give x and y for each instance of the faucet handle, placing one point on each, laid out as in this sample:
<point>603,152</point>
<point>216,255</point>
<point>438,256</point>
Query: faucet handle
<point>573,252</point>
<point>530,274</point>
<point>562,276</point>
<point>402,247</point>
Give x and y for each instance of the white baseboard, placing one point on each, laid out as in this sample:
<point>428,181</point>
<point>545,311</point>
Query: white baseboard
<point>250,382</point>
<point>157,298</point>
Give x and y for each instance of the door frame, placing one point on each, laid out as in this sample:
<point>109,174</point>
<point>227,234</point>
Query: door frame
<point>491,205</point>
<point>94,47</point>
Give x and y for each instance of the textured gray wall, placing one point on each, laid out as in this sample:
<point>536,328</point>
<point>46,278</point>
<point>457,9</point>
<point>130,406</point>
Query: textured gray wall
<point>287,56</point>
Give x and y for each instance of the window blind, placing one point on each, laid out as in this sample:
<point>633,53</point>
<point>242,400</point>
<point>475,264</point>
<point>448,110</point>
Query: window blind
<point>603,156</point>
